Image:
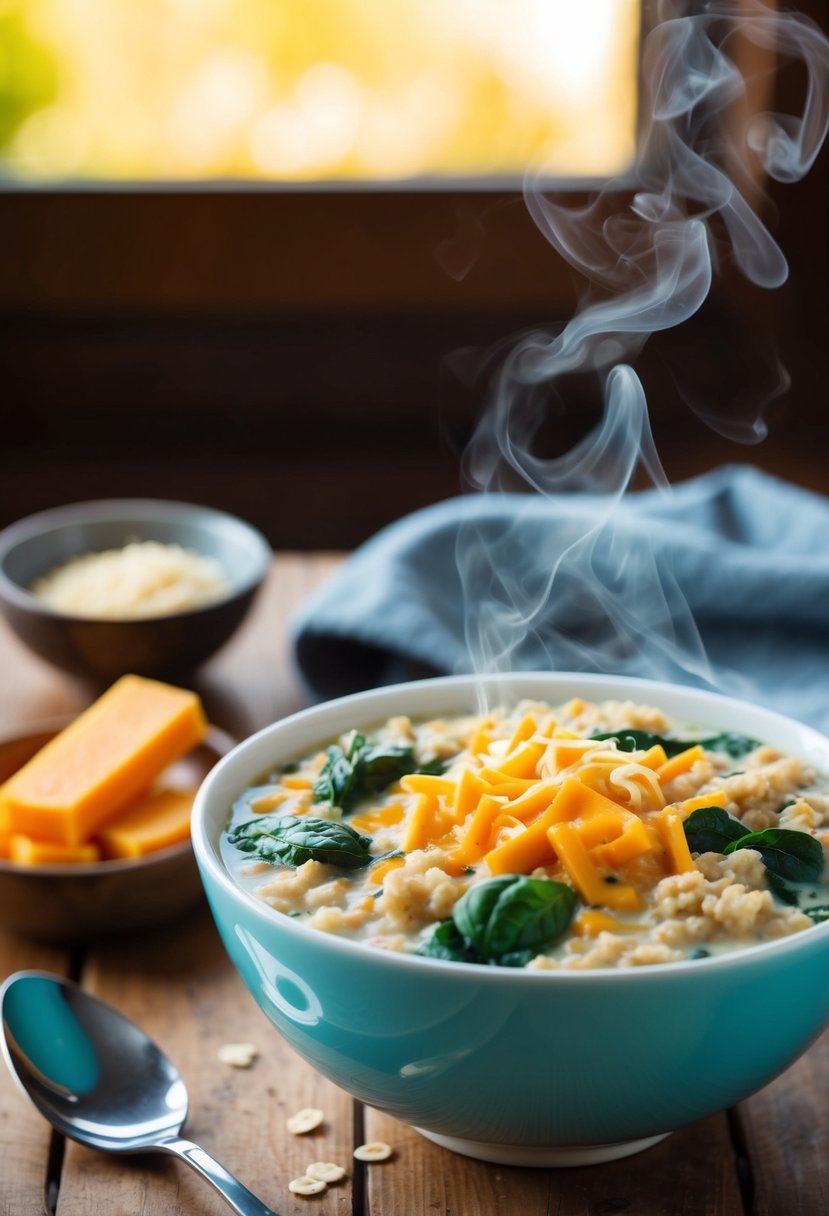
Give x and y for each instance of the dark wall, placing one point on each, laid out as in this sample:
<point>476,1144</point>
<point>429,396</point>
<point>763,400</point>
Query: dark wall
<point>315,362</point>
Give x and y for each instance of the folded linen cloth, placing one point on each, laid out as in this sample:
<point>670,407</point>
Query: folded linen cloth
<point>719,582</point>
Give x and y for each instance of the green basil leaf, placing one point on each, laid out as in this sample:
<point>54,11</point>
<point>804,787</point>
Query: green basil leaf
<point>367,769</point>
<point>791,856</point>
<point>709,829</point>
<point>292,840</point>
<point>819,913</point>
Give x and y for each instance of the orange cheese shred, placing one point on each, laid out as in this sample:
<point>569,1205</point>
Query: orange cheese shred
<point>526,727</point>
<point>630,844</point>
<point>475,840</point>
<point>381,868</point>
<point>468,794</point>
<point>592,921</point>
<point>681,763</point>
<point>428,783</point>
<point>523,762</point>
<point>421,826</point>
<point>526,850</point>
<point>716,798</point>
<point>378,817</point>
<point>593,887</point>
<point>672,835</point>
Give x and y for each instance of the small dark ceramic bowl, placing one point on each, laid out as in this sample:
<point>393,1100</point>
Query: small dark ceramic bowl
<point>164,647</point>
<point>70,904</point>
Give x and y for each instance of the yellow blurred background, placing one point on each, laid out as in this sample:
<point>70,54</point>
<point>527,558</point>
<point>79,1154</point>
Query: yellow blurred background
<point>316,90</point>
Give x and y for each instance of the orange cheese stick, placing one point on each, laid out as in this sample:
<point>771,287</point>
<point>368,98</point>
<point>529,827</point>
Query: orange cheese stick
<point>155,822</point>
<point>103,760</point>
<point>24,851</point>
<point>5,834</point>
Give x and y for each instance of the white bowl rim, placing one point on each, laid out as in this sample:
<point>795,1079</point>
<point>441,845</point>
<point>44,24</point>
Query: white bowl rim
<point>128,511</point>
<point>744,957</point>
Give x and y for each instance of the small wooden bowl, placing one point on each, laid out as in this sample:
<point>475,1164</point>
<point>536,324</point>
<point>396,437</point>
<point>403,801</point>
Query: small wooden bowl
<point>99,649</point>
<point>70,904</point>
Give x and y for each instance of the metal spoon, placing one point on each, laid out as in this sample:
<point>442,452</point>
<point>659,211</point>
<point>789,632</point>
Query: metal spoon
<point>98,1079</point>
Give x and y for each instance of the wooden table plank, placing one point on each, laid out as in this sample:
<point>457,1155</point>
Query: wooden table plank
<point>179,985</point>
<point>24,1136</point>
<point>691,1173</point>
<point>237,1115</point>
<point>784,1129</point>
<point>249,683</point>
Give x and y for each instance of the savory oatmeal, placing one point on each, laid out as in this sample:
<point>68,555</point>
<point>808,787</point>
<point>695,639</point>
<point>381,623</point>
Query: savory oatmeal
<point>581,836</point>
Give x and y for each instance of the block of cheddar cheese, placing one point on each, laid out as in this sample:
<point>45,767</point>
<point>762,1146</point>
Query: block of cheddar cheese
<point>156,821</point>
<point>95,767</point>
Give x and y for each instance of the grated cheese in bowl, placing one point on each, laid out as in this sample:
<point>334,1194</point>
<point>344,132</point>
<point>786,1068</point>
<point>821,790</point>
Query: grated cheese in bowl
<point>142,579</point>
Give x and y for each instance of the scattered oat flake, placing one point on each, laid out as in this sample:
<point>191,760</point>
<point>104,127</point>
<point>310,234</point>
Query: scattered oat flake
<point>375,1150</point>
<point>304,1120</point>
<point>307,1186</point>
<point>325,1171</point>
<point>238,1055</point>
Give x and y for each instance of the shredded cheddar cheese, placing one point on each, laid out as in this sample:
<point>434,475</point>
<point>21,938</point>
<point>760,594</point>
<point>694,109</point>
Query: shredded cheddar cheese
<point>546,798</point>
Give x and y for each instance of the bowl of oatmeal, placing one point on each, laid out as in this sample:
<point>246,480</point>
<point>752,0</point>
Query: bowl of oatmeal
<point>545,919</point>
<point>111,586</point>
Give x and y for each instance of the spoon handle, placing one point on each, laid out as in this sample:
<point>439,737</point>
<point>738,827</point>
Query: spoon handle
<point>243,1201</point>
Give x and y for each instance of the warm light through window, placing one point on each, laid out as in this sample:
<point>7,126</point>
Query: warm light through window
<point>311,90</point>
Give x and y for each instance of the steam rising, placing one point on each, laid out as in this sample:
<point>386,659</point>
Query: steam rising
<point>582,586</point>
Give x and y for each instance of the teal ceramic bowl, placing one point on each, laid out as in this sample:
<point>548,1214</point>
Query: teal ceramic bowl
<point>510,1066</point>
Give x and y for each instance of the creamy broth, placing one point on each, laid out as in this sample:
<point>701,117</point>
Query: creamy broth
<point>578,836</point>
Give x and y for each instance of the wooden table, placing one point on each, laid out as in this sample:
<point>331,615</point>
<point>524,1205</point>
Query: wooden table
<point>768,1157</point>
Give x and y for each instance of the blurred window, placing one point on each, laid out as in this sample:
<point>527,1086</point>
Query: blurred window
<point>303,91</point>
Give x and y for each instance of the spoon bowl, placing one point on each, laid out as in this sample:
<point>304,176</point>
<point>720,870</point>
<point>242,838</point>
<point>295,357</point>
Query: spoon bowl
<point>99,1079</point>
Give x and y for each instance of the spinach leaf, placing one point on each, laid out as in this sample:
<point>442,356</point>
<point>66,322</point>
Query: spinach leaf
<point>367,769</point>
<point>785,892</point>
<point>474,908</point>
<point>447,942</point>
<point>512,914</point>
<point>515,958</point>
<point>709,829</point>
<point>503,921</point>
<point>292,840</point>
<point>629,740</point>
<point>790,856</point>
<point>819,913</point>
<point>433,768</point>
<point>730,743</point>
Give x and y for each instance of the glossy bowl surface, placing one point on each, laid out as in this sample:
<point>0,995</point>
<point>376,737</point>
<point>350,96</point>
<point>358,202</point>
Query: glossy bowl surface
<point>164,647</point>
<point>512,1066</point>
<point>71,904</point>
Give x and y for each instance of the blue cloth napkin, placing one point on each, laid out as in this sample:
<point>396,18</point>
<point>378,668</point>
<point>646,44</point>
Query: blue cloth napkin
<point>721,581</point>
